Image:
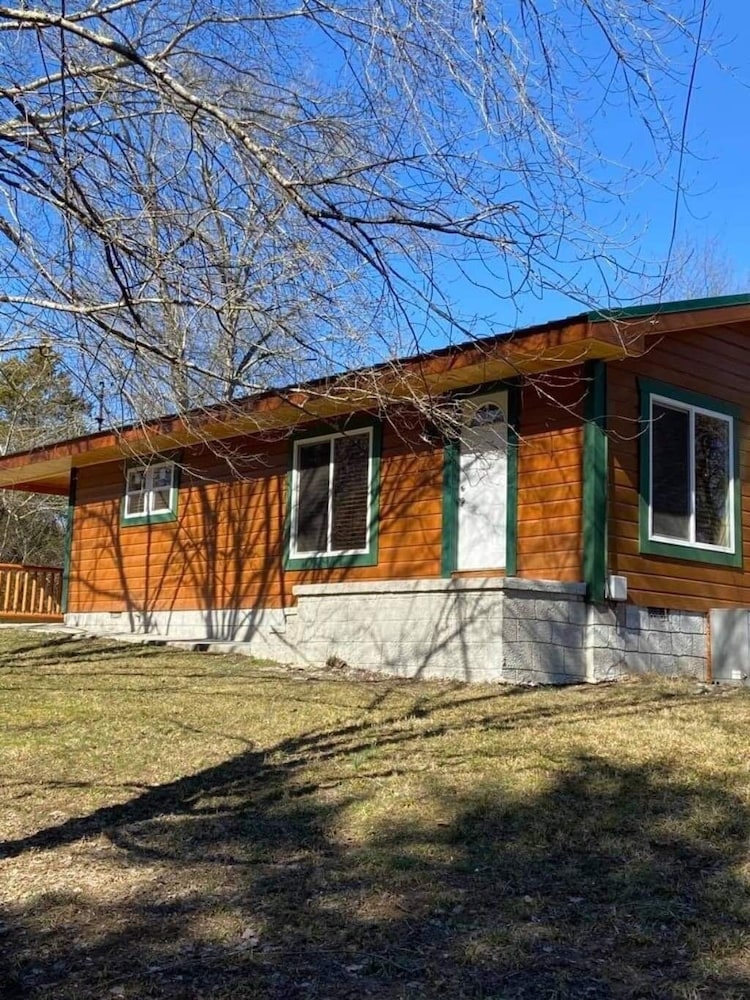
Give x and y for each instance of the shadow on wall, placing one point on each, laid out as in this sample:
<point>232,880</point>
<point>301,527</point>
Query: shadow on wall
<point>223,557</point>
<point>610,882</point>
<point>224,550</point>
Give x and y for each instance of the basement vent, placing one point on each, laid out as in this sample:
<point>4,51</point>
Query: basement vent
<point>658,614</point>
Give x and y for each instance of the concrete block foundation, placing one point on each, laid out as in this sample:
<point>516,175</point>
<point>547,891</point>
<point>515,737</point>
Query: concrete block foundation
<point>479,629</point>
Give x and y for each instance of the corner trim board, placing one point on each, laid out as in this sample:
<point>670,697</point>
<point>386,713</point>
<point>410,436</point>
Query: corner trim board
<point>595,471</point>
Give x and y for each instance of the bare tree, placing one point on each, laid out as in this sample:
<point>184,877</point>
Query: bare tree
<point>698,268</point>
<point>205,200</point>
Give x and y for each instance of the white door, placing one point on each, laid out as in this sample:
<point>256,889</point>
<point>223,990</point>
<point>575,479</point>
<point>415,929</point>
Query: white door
<point>483,485</point>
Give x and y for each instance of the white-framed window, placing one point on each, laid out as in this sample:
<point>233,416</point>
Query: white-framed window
<point>150,492</point>
<point>332,495</point>
<point>690,501</point>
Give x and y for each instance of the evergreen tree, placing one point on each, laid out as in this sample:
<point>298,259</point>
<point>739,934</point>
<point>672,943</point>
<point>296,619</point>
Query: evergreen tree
<point>38,405</point>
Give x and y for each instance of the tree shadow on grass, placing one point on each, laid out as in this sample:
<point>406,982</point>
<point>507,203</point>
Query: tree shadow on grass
<point>609,881</point>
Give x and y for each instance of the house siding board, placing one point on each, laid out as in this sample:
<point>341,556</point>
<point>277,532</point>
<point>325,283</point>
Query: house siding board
<point>713,364</point>
<point>550,480</point>
<point>225,549</point>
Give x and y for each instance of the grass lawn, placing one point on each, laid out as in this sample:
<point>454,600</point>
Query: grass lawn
<point>186,826</point>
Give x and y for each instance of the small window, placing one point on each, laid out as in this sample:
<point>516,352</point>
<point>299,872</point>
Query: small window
<point>690,491</point>
<point>333,486</point>
<point>150,494</point>
<point>489,413</point>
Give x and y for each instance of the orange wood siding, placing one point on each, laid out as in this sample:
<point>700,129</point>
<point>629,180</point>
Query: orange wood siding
<point>715,363</point>
<point>225,550</point>
<point>550,480</point>
<point>226,547</point>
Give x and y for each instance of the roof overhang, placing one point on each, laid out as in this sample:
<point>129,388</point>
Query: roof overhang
<point>592,336</point>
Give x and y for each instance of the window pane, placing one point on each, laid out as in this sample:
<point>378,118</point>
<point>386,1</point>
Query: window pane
<point>350,489</point>
<point>135,480</point>
<point>312,499</point>
<point>135,503</point>
<point>161,500</point>
<point>162,476</point>
<point>670,477</point>
<point>712,474</point>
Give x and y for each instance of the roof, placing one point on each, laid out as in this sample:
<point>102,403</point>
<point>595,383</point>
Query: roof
<point>606,335</point>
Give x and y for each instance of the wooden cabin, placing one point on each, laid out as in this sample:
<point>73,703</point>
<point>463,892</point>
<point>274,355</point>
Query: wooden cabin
<point>584,513</point>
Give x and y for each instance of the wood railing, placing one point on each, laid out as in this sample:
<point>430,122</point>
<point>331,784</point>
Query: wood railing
<point>30,593</point>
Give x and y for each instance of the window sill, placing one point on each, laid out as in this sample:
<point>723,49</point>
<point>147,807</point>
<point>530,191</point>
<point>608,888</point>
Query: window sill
<point>323,561</point>
<point>690,553</point>
<point>133,522</point>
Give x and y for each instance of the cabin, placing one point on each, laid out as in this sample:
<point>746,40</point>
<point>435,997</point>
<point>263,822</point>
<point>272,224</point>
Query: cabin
<point>584,512</point>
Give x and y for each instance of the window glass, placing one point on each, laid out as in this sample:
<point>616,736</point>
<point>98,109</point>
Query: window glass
<point>712,475</point>
<point>670,456</point>
<point>692,473</point>
<point>136,479</point>
<point>488,413</point>
<point>313,463</point>
<point>162,476</point>
<point>150,490</point>
<point>135,503</point>
<point>351,462</point>
<point>161,500</point>
<point>332,486</point>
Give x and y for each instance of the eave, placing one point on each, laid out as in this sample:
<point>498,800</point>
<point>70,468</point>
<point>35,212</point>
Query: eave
<point>592,336</point>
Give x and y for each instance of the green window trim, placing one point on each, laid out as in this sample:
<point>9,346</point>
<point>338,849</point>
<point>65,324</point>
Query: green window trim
<point>693,552</point>
<point>511,514</point>
<point>449,548</point>
<point>595,474</point>
<point>157,517</point>
<point>305,561</point>
<point>451,467</point>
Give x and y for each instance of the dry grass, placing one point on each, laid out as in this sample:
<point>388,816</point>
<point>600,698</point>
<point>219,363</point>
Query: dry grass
<point>185,826</point>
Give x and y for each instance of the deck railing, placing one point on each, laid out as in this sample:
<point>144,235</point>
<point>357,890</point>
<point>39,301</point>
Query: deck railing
<point>30,593</point>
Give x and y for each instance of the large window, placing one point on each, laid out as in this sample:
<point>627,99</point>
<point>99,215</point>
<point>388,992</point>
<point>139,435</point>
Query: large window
<point>690,505</point>
<point>150,493</point>
<point>333,489</point>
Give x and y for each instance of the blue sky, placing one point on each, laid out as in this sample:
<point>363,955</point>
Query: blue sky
<point>716,174</point>
<point>715,206</point>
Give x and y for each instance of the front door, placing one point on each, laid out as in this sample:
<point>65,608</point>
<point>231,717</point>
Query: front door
<point>483,484</point>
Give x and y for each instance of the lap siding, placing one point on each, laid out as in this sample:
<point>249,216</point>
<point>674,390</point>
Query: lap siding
<point>550,481</point>
<point>225,548</point>
<point>713,364</point>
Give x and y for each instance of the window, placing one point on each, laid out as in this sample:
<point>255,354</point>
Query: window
<point>333,493</point>
<point>150,494</point>
<point>690,493</point>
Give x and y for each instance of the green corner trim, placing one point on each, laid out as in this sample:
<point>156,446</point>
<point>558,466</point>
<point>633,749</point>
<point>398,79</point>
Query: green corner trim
<point>595,481</point>
<point>449,548</point>
<point>511,503</point>
<point>369,558</point>
<point>68,542</point>
<point>660,308</point>
<point>677,550</point>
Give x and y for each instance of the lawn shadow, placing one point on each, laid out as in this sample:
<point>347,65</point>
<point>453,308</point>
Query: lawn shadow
<point>608,881</point>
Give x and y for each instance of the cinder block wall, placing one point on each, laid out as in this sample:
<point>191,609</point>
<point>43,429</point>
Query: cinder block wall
<point>480,629</point>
